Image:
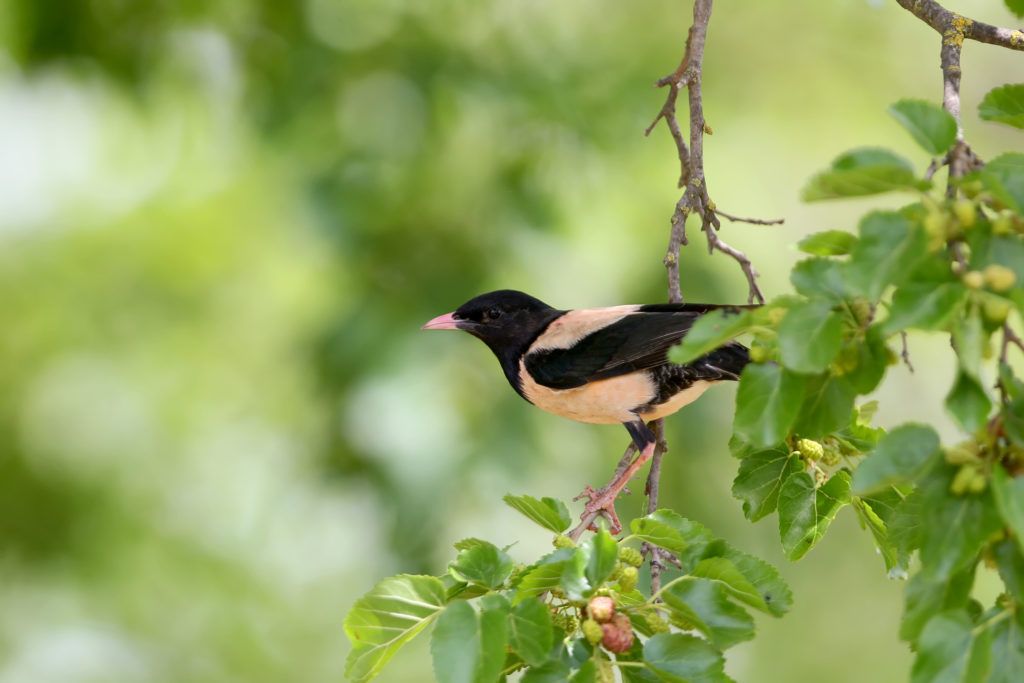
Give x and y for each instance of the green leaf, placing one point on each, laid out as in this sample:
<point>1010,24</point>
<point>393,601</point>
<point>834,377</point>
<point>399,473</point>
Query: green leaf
<point>387,617</point>
<point>930,125</point>
<point>1004,178</point>
<point>828,243</point>
<point>709,332</point>
<point>903,455</point>
<point>484,565</point>
<point>679,657</point>
<point>549,513</point>
<point>554,671</point>
<point>706,605</point>
<point>667,529</point>
<point>1010,563</point>
<point>809,336</point>
<point>805,512</point>
<point>925,597</point>
<point>1004,104</point>
<point>827,406</point>
<point>545,575</point>
<point>954,528</point>
<point>774,592</point>
<point>949,650</point>
<point>467,647</point>
<point>872,359</point>
<point>471,542</point>
<point>889,248</point>
<point>1016,6</point>
<point>1008,493</point>
<point>602,553</point>
<point>767,403</point>
<point>723,570</point>
<point>760,478</point>
<point>968,403</point>
<point>819,277</point>
<point>530,632</point>
<point>863,172</point>
<point>1007,650</point>
<point>925,306</point>
<point>895,563</point>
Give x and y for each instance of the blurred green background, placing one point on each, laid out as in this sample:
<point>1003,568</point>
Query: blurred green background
<point>223,222</point>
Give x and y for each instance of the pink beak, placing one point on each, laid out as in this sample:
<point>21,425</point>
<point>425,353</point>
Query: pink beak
<point>442,322</point>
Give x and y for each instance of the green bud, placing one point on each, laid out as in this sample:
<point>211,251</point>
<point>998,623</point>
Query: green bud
<point>630,556</point>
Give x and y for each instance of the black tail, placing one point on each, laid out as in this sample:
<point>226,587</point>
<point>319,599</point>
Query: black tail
<point>725,362</point>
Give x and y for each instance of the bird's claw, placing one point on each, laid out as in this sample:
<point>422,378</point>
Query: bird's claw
<point>600,503</point>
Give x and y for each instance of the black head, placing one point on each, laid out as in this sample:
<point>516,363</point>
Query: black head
<point>506,320</point>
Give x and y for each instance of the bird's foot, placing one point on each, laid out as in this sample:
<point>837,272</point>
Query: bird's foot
<point>600,503</point>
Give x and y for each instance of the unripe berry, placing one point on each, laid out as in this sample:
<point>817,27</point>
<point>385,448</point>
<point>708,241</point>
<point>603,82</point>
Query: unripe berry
<point>592,631</point>
<point>974,279</point>
<point>812,450</point>
<point>964,210</point>
<point>562,541</point>
<point>628,580</point>
<point>999,278</point>
<point>995,309</point>
<point>630,556</point>
<point>759,354</point>
<point>962,453</point>
<point>962,480</point>
<point>601,608</point>
<point>618,634</point>
<point>1002,224</point>
<point>978,483</point>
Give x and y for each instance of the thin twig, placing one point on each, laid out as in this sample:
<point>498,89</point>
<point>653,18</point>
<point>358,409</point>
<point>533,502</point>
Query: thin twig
<point>906,352</point>
<point>755,221</point>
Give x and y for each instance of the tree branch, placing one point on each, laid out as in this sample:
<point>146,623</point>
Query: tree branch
<point>943,20</point>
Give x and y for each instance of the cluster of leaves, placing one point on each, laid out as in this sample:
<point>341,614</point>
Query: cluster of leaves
<point>575,613</point>
<point>950,262</point>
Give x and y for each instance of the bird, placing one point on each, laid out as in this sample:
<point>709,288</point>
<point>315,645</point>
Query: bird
<point>598,365</point>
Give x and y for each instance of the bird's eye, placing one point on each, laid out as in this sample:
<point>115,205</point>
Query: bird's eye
<point>493,313</point>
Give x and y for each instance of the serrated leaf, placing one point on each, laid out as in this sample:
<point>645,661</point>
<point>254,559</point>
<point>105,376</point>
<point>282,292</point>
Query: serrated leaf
<point>1008,493</point>
<point>549,513</point>
<point>387,617</point>
<point>819,277</point>
<point>470,542</point>
<point>924,306</point>
<point>930,125</point>
<point>668,530</point>
<point>809,336</point>
<point>723,570</point>
<point>678,657</point>
<point>554,671</point>
<point>706,605</point>
<point>968,403</point>
<point>484,565</point>
<point>880,533</point>
<point>1004,104</point>
<point>767,403</point>
<point>545,575</point>
<point>872,359</point>
<point>765,578</point>
<point>950,650</point>
<point>863,172</point>
<point>530,632</point>
<point>828,243</point>
<point>805,512</point>
<point>709,332</point>
<point>925,597</point>
<point>889,248</point>
<point>467,647</point>
<point>903,455</point>
<point>760,478</point>
<point>828,403</point>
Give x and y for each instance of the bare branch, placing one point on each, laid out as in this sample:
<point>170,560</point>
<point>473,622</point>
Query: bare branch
<point>942,20</point>
<point>754,221</point>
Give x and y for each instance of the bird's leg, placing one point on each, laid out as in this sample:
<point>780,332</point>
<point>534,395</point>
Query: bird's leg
<point>602,502</point>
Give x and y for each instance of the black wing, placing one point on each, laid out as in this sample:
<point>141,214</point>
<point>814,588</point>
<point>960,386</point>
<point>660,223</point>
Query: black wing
<point>637,341</point>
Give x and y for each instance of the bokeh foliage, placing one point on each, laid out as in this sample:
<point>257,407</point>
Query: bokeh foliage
<point>222,224</point>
